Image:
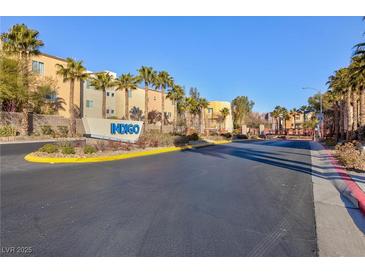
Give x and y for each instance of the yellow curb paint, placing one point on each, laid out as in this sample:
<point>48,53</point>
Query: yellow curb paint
<point>50,160</point>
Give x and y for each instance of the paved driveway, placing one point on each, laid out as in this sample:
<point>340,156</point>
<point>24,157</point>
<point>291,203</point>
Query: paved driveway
<point>239,199</point>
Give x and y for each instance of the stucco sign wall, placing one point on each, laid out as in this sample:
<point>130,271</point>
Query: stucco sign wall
<point>111,129</point>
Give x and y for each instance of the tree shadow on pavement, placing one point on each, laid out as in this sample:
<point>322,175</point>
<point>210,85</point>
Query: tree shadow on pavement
<point>355,214</point>
<point>265,157</point>
<point>269,158</point>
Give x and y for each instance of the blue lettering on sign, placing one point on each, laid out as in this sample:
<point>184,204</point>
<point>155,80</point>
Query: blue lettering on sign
<point>124,128</point>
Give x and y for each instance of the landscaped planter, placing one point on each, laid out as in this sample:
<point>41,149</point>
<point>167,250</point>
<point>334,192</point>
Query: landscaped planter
<point>52,158</point>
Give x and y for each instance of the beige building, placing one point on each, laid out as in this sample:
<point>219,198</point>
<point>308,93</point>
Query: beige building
<point>214,119</point>
<point>89,100</point>
<point>44,66</point>
<point>93,99</point>
<point>115,104</point>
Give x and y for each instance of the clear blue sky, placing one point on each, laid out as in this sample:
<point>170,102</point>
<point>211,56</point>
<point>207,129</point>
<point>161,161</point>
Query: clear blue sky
<point>268,59</point>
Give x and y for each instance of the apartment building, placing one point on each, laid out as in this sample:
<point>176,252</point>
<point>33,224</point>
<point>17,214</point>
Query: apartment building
<point>89,100</point>
<point>214,119</point>
<point>92,100</point>
<point>44,67</point>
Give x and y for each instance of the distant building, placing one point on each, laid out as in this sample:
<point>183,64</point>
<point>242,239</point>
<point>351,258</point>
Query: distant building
<point>213,117</point>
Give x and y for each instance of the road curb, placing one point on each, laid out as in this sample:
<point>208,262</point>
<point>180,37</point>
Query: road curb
<point>351,190</point>
<point>52,160</point>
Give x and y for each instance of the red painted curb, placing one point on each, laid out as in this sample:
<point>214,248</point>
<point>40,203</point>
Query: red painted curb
<point>355,191</point>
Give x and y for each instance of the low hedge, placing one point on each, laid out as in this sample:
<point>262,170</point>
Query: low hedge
<point>49,148</point>
<point>7,131</point>
<point>88,149</point>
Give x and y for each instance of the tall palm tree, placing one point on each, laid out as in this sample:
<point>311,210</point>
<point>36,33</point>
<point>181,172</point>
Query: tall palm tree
<point>175,94</point>
<point>126,82</point>
<point>193,109</point>
<point>286,116</point>
<point>335,97</point>
<point>203,104</point>
<point>357,76</point>
<point>102,81</point>
<point>293,113</point>
<point>162,81</point>
<point>276,114</point>
<point>147,75</point>
<point>224,113</point>
<point>22,42</point>
<point>73,71</point>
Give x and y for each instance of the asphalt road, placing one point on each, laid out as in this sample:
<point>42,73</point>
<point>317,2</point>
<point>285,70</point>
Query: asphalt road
<point>239,199</point>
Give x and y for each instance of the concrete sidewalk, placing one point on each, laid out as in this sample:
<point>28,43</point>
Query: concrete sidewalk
<point>340,225</point>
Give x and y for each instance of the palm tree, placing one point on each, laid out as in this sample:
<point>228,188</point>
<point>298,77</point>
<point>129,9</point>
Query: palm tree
<point>136,114</point>
<point>146,75</point>
<point>293,112</point>
<point>73,71</point>
<point>102,81</point>
<point>21,41</point>
<point>357,77</point>
<point>335,98</point>
<point>24,43</point>
<point>126,82</point>
<point>224,112</point>
<point>175,94</point>
<point>276,113</point>
<point>203,104</point>
<point>286,116</point>
<point>162,81</point>
<point>193,108</point>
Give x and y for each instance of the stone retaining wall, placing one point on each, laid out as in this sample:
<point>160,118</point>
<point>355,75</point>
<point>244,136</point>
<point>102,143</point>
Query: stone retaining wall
<point>38,120</point>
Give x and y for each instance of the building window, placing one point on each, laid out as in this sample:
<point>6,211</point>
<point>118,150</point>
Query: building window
<point>107,111</point>
<point>52,97</point>
<point>38,67</point>
<point>112,94</point>
<point>88,84</point>
<point>210,110</point>
<point>89,103</point>
<point>129,94</point>
<point>107,94</point>
<point>112,111</point>
<point>168,115</point>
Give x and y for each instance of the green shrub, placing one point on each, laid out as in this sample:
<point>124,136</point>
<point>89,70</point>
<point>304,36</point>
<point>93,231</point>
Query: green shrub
<point>330,141</point>
<point>68,150</point>
<point>7,130</point>
<point>241,136</point>
<point>47,130</point>
<point>49,148</point>
<point>193,137</point>
<point>62,131</point>
<point>227,135</point>
<point>88,149</point>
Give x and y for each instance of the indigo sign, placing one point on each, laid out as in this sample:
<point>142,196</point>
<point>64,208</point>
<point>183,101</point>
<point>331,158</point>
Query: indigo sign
<point>124,128</point>
<point>111,129</point>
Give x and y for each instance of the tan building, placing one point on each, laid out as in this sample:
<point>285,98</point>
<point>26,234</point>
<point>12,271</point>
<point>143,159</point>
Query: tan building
<point>214,119</point>
<point>115,104</point>
<point>44,66</point>
<point>89,100</point>
<point>93,99</point>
